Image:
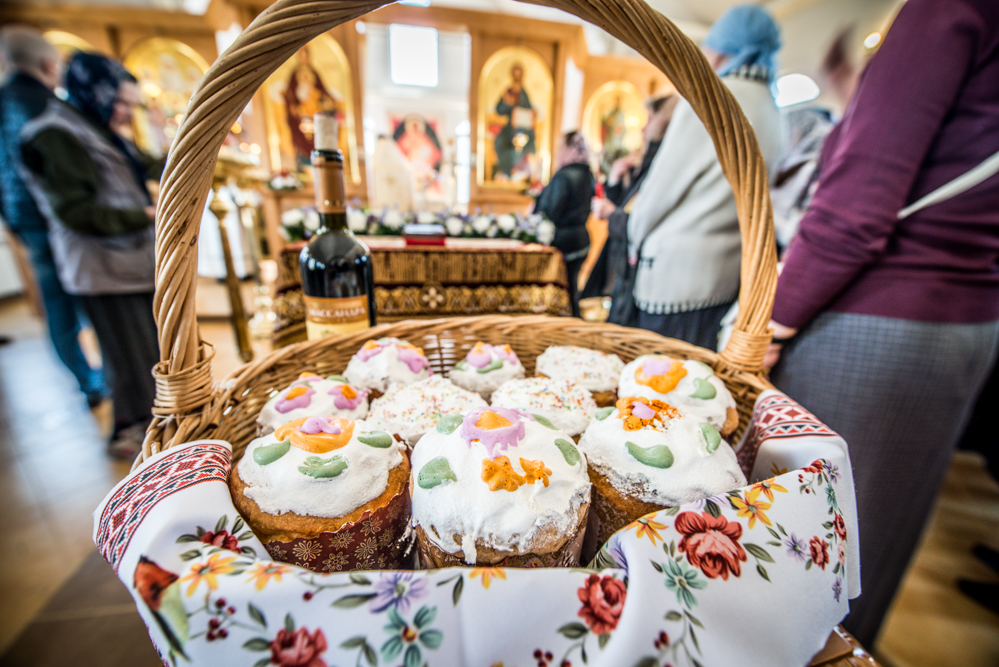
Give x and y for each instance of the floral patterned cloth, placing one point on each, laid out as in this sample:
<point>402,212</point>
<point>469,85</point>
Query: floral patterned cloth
<point>756,576</point>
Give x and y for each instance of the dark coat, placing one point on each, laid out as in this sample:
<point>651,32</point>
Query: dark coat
<point>566,202</point>
<point>21,99</point>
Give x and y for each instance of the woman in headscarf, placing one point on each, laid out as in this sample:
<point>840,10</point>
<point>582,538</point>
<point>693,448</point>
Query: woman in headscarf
<point>91,184</point>
<point>566,202</point>
<point>683,232</point>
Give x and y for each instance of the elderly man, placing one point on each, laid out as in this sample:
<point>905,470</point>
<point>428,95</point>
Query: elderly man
<point>35,66</point>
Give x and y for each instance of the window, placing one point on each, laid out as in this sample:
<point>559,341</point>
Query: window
<point>413,56</point>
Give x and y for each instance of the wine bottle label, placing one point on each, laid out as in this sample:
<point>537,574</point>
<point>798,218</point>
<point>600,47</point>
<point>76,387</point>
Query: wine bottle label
<point>326,317</point>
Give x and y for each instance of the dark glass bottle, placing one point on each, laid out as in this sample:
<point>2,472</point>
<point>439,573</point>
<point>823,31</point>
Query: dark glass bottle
<point>337,276</point>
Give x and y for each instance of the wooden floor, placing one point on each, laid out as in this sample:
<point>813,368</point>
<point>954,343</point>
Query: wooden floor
<point>60,603</point>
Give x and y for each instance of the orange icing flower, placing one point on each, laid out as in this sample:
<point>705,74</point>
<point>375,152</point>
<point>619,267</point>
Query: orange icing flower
<point>652,412</point>
<point>499,473</point>
<point>661,382</point>
<point>319,436</point>
<point>535,470</point>
<point>490,421</point>
<point>306,375</point>
<point>410,346</point>
<point>348,392</point>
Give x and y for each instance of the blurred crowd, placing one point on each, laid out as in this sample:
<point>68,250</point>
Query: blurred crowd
<point>74,193</point>
<point>886,317</point>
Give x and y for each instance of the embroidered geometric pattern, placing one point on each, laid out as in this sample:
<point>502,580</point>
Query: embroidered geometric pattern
<point>174,472</point>
<point>778,416</point>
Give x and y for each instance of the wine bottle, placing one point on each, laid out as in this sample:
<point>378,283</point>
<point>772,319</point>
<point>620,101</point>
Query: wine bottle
<point>337,275</point>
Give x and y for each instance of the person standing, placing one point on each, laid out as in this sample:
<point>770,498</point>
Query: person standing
<point>35,73</point>
<point>91,182</point>
<point>683,232</point>
<point>566,202</point>
<point>623,184</point>
<point>886,316</point>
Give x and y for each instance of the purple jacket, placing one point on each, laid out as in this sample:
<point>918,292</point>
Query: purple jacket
<point>926,111</point>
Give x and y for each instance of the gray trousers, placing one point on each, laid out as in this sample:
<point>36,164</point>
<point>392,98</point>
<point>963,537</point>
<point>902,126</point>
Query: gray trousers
<point>900,393</point>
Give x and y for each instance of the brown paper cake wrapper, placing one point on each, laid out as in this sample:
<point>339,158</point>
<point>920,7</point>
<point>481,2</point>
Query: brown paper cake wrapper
<point>379,540</point>
<point>433,557</point>
<point>610,511</point>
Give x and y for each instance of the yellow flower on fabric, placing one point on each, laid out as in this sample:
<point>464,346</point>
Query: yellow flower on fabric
<point>777,471</point>
<point>262,573</point>
<point>208,571</point>
<point>647,527</point>
<point>768,486</point>
<point>488,574</point>
<point>750,507</point>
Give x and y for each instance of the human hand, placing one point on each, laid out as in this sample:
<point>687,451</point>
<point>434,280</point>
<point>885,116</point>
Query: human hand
<point>602,208</point>
<point>621,166</point>
<point>781,335</point>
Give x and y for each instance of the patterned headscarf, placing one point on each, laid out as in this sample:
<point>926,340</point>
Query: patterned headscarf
<point>749,37</point>
<point>574,150</point>
<point>92,83</point>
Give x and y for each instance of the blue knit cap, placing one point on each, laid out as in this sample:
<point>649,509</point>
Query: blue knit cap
<point>748,36</point>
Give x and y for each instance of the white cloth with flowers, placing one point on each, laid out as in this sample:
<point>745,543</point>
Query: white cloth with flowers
<point>757,576</point>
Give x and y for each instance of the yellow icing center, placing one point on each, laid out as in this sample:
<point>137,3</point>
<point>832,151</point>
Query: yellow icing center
<point>320,443</point>
<point>662,383</point>
<point>490,421</point>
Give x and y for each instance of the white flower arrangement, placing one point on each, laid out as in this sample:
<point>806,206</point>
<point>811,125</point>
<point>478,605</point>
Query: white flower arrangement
<point>285,181</point>
<point>300,223</point>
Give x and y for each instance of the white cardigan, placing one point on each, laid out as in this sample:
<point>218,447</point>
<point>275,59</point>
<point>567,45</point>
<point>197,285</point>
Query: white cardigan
<point>684,220</point>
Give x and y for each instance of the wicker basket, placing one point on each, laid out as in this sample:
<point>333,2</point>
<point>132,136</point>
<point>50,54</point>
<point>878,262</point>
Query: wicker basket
<point>190,404</point>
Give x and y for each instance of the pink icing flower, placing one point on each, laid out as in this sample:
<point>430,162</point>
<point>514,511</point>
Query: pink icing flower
<point>480,356</point>
<point>294,398</point>
<point>506,353</point>
<point>316,425</point>
<point>347,398</point>
<point>412,357</point>
<point>656,366</point>
<point>495,428</point>
<point>374,347</point>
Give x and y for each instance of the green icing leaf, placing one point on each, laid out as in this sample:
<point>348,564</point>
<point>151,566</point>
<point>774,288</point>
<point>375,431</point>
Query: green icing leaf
<point>711,436</point>
<point>703,389</point>
<point>544,422</point>
<point>494,365</point>
<point>320,468</point>
<point>337,378</point>
<point>447,425</point>
<point>271,453</point>
<point>568,450</point>
<point>435,472</point>
<point>378,439</point>
<point>461,365</point>
<point>658,456</point>
<point>604,413</point>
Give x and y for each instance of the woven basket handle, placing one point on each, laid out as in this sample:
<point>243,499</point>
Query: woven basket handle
<point>184,378</point>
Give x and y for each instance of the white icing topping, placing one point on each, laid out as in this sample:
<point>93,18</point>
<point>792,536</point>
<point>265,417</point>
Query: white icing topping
<point>568,406</point>
<point>594,370</point>
<point>321,402</point>
<point>503,520</point>
<point>412,410</point>
<point>279,487</point>
<point>381,370</point>
<point>468,377</point>
<point>713,410</point>
<point>694,474</point>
